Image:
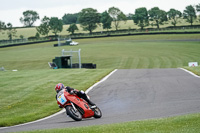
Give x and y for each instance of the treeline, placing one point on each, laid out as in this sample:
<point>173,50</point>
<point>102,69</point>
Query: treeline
<point>90,18</point>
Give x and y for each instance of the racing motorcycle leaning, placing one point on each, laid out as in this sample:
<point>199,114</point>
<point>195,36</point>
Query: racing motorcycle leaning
<point>77,108</point>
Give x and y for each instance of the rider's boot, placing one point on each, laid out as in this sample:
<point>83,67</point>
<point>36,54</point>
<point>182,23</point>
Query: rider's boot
<point>91,103</point>
<point>83,95</point>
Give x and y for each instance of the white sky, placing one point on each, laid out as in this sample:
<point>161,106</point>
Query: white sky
<point>11,11</point>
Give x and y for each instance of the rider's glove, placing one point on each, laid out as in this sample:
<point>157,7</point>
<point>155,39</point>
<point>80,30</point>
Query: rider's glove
<point>75,92</point>
<point>71,92</point>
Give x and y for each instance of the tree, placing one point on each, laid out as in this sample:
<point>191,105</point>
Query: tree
<point>56,25</point>
<point>2,26</point>
<point>44,27</point>
<point>189,14</point>
<point>70,18</point>
<point>37,35</point>
<point>130,16</point>
<point>11,32</point>
<point>72,28</point>
<point>174,15</point>
<point>141,18</point>
<point>89,18</point>
<point>21,37</point>
<point>106,20</point>
<point>198,9</point>
<point>30,17</point>
<point>117,16</point>
<point>158,16</point>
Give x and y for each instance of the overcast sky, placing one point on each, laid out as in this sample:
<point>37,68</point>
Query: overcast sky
<point>11,10</point>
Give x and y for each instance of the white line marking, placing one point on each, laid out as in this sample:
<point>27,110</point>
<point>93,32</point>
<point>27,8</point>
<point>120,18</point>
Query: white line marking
<point>106,77</point>
<point>63,110</point>
<point>189,72</point>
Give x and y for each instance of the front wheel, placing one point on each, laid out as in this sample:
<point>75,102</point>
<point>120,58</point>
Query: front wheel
<point>76,115</point>
<point>97,112</point>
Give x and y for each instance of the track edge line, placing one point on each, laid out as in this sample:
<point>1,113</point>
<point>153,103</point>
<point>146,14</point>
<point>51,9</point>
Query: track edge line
<point>190,72</point>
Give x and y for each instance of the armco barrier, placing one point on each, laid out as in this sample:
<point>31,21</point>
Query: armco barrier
<point>27,43</point>
<point>101,36</point>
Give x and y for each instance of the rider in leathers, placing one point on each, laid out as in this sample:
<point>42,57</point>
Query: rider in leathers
<point>80,94</point>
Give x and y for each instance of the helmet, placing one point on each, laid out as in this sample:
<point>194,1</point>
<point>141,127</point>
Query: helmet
<point>59,87</point>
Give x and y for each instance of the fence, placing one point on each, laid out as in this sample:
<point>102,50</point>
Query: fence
<point>25,41</point>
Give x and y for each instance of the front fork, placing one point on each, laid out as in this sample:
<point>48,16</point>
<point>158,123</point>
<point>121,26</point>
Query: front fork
<point>73,107</point>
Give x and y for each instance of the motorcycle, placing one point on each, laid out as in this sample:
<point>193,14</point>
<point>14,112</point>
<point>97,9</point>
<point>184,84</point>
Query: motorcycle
<point>76,107</point>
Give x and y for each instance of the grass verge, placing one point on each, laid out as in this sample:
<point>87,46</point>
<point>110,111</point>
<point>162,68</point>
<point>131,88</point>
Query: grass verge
<point>179,124</point>
<point>195,70</point>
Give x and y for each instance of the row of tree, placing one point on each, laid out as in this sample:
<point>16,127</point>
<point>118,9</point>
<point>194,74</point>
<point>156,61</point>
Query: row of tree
<point>89,19</point>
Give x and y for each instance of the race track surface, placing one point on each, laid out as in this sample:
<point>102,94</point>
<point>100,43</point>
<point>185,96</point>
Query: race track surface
<point>137,94</point>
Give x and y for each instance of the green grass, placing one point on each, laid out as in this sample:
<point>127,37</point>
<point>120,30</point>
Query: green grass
<point>145,55</point>
<point>113,52</point>
<point>195,70</point>
<point>21,91</point>
<point>180,124</point>
<point>27,95</point>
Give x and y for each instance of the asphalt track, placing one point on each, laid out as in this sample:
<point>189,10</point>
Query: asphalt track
<point>134,94</point>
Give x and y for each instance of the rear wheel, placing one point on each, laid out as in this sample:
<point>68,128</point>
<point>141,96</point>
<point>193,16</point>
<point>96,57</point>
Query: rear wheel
<point>76,115</point>
<point>97,112</point>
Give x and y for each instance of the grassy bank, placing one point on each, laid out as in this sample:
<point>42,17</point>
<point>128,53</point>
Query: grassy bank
<point>110,53</point>
<point>28,95</point>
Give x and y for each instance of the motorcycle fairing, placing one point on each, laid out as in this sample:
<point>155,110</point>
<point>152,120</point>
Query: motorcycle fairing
<point>82,104</point>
